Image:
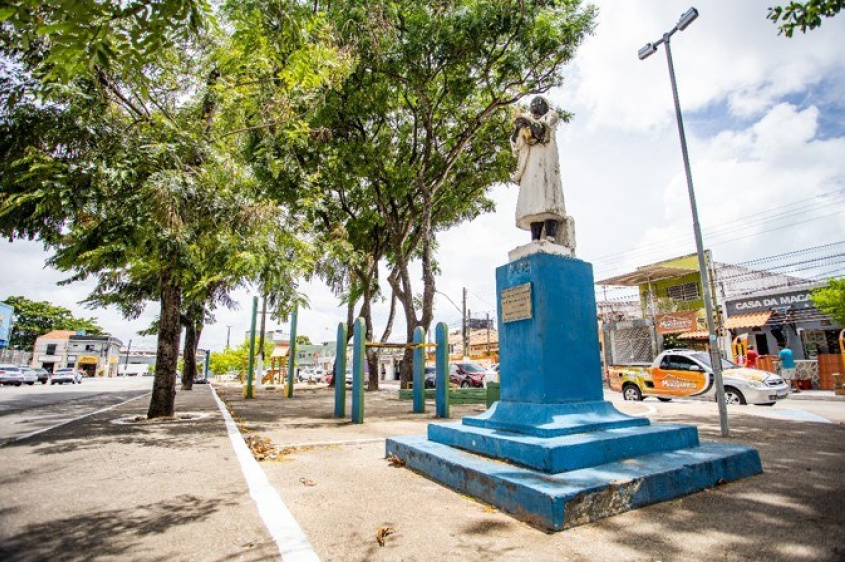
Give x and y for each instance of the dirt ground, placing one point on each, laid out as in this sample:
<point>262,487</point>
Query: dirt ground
<point>341,490</point>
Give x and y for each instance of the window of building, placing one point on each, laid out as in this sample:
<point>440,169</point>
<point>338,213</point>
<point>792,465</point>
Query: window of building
<point>51,349</point>
<point>89,347</point>
<point>685,292</point>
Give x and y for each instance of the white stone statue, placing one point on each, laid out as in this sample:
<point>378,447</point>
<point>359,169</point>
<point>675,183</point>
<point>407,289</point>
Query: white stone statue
<point>540,207</point>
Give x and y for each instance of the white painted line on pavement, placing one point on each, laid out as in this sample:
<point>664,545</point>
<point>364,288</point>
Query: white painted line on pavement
<point>52,427</point>
<point>292,542</point>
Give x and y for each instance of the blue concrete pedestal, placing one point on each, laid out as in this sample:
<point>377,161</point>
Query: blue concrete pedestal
<point>552,452</point>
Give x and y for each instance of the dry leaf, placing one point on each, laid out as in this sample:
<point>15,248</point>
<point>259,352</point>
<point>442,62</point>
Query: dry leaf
<point>307,482</point>
<point>382,533</point>
<point>395,461</point>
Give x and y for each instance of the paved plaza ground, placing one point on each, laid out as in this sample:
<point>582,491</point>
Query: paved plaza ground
<point>97,490</point>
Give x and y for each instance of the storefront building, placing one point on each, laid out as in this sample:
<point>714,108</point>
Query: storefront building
<point>787,318</point>
<point>91,355</point>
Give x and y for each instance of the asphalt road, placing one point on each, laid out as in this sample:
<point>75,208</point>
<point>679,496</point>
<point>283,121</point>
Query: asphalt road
<point>817,411</point>
<point>26,410</point>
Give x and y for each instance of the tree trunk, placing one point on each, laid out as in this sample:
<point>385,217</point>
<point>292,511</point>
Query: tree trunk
<point>189,355</point>
<point>162,401</point>
<point>372,359</point>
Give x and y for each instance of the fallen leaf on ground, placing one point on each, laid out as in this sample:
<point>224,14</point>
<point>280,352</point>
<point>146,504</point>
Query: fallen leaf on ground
<point>261,447</point>
<point>395,461</point>
<point>307,482</point>
<point>382,533</point>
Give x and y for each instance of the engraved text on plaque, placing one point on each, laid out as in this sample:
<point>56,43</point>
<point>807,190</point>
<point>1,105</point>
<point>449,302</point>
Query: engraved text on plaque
<point>516,303</point>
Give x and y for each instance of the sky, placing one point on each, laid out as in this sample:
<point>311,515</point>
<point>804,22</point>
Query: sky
<point>765,127</point>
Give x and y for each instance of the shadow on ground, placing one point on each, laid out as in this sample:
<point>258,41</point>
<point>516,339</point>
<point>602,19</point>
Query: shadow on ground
<point>99,431</point>
<point>104,534</point>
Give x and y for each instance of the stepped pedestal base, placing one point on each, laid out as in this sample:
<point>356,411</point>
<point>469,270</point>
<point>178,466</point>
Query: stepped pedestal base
<point>558,501</point>
<point>552,452</point>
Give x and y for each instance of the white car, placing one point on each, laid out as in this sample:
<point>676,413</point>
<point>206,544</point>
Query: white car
<point>67,374</point>
<point>30,377</point>
<point>311,375</point>
<point>11,374</point>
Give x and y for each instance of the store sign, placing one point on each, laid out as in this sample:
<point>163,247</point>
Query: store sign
<point>88,359</point>
<point>49,358</point>
<point>783,302</point>
<point>677,322</point>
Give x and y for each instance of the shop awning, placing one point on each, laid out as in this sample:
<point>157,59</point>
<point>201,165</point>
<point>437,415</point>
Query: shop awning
<point>751,320</point>
<point>694,335</point>
<point>647,275</point>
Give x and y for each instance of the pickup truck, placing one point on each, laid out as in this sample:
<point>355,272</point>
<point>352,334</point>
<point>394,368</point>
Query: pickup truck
<point>687,373</point>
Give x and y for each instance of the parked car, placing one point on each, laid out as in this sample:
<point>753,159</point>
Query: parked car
<point>466,374</point>
<point>67,374</point>
<point>348,376</point>
<point>685,373</point>
<point>30,377</point>
<point>11,374</point>
<point>201,381</point>
<point>309,375</point>
<point>430,377</point>
<point>43,375</point>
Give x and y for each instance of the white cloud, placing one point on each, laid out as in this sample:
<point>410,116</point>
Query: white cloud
<point>754,105</point>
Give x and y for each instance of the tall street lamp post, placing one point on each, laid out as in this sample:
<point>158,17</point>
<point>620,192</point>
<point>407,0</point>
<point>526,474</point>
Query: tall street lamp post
<point>715,357</point>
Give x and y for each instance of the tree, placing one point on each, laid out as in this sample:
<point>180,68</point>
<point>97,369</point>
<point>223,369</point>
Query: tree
<point>65,39</point>
<point>417,132</point>
<point>235,359</point>
<point>803,15</point>
<point>33,319</point>
<point>303,340</point>
<point>131,175</point>
<point>831,300</point>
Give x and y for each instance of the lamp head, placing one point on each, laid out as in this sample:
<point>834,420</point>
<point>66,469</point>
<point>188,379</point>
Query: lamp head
<point>687,18</point>
<point>647,51</point>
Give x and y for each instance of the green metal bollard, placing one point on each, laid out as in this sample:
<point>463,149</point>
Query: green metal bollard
<point>291,353</point>
<point>441,393</point>
<point>419,370</point>
<point>359,347</point>
<point>340,373</point>
<point>248,391</point>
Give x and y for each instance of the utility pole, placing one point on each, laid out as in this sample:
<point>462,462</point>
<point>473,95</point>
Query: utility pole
<point>488,335</point>
<point>126,361</point>
<point>228,333</point>
<point>465,326</point>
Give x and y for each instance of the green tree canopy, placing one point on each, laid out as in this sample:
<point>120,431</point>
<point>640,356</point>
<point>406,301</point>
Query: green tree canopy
<point>804,15</point>
<point>417,133</point>
<point>130,169</point>
<point>831,300</point>
<point>36,318</point>
<point>234,359</point>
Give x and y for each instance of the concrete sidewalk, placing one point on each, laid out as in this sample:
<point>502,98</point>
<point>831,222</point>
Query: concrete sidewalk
<point>96,490</point>
<point>340,488</point>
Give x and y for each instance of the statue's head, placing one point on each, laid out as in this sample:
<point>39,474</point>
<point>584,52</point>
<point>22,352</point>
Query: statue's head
<point>539,106</point>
